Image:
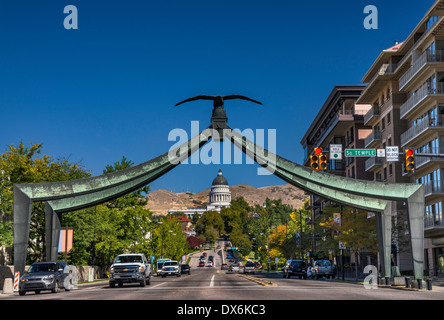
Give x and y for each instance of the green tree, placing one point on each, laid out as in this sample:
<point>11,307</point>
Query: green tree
<point>169,240</point>
<point>21,164</point>
<point>104,231</point>
<point>210,224</point>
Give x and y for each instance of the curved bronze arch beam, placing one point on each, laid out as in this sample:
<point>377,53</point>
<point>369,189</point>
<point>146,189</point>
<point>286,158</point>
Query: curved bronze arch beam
<point>368,195</point>
<point>72,195</point>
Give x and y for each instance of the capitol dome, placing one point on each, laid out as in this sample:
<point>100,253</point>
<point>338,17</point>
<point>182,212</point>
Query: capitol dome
<point>220,179</point>
<point>220,194</point>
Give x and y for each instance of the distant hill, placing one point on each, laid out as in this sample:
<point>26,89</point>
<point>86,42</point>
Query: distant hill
<point>160,201</point>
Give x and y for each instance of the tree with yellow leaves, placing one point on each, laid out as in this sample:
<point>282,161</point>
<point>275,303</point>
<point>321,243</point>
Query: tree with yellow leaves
<point>354,230</point>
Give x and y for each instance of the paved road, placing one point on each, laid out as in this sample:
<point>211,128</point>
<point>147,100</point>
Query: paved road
<point>210,283</point>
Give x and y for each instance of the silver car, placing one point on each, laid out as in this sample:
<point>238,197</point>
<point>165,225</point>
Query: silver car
<point>44,276</point>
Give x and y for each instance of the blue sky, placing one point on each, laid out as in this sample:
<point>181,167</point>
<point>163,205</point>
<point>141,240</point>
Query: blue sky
<point>108,89</point>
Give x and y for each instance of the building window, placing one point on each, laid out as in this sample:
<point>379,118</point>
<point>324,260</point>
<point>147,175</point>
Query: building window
<point>389,117</point>
<point>390,169</point>
<point>431,21</point>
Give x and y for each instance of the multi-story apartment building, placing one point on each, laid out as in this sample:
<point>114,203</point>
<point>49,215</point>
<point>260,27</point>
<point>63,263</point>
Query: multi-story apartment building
<point>339,121</point>
<point>405,86</point>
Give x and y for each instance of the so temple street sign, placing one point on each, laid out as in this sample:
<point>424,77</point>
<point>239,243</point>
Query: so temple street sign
<point>360,152</point>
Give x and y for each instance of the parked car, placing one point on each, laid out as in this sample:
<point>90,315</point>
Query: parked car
<point>185,268</point>
<point>170,268</point>
<point>323,268</point>
<point>249,267</point>
<point>44,276</point>
<point>130,268</point>
<point>295,268</point>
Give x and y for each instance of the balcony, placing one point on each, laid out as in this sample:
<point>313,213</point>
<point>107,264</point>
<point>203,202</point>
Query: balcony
<point>426,58</point>
<point>336,166</point>
<point>434,189</point>
<point>372,116</point>
<point>419,132</point>
<point>373,138</point>
<point>424,162</point>
<point>425,91</point>
<point>373,163</point>
<point>433,225</point>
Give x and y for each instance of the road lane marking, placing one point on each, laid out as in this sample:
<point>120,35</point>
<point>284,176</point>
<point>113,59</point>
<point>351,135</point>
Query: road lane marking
<point>158,285</point>
<point>212,281</point>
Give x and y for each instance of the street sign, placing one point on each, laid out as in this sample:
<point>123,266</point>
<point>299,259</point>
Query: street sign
<point>380,153</point>
<point>336,152</point>
<point>360,152</point>
<point>341,246</point>
<point>391,153</point>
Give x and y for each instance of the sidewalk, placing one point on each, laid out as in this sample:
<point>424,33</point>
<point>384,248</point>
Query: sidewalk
<point>437,284</point>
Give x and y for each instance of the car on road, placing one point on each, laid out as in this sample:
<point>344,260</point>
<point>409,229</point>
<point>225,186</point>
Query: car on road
<point>233,268</point>
<point>249,267</point>
<point>130,268</point>
<point>201,264</point>
<point>44,276</point>
<point>224,266</point>
<point>257,265</point>
<point>185,268</point>
<point>170,268</point>
<point>209,263</point>
<point>295,268</point>
<point>323,268</point>
<point>159,265</point>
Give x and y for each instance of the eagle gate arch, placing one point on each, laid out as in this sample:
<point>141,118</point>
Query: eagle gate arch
<point>66,196</point>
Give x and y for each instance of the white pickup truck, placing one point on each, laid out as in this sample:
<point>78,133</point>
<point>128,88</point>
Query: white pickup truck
<point>130,268</point>
<point>170,268</point>
<point>323,268</point>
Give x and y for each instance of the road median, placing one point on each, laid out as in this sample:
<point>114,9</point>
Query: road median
<point>263,282</point>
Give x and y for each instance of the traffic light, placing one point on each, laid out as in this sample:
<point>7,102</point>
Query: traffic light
<point>314,159</point>
<point>314,162</point>
<point>409,155</point>
<point>322,162</point>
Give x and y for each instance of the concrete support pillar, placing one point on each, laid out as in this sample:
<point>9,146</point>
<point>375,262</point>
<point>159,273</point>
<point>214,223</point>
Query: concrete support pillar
<point>22,208</point>
<point>415,212</point>
<point>384,232</point>
<point>52,232</point>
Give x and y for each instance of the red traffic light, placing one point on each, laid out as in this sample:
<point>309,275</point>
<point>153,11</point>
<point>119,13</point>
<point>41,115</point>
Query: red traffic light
<point>318,150</point>
<point>410,152</point>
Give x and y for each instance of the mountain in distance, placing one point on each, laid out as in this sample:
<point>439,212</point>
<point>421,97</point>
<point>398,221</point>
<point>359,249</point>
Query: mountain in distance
<point>159,201</point>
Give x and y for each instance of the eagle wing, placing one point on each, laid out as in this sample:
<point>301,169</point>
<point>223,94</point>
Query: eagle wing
<point>237,96</point>
<point>201,97</point>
